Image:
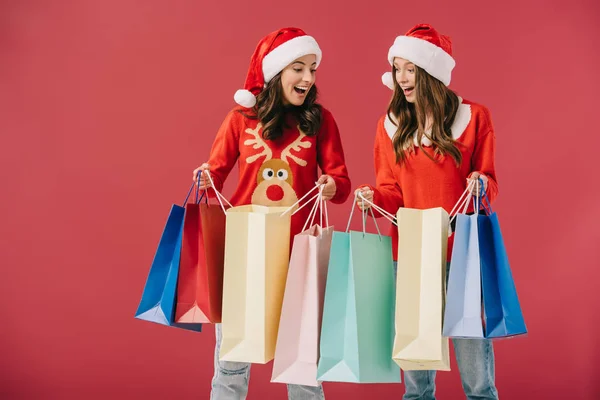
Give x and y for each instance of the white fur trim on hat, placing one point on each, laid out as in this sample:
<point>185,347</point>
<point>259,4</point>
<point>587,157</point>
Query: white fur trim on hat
<point>388,80</point>
<point>284,54</point>
<point>244,98</point>
<point>424,54</point>
<point>461,121</point>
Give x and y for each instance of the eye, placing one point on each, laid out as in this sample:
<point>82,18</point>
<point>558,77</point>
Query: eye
<point>411,71</point>
<point>298,69</point>
<point>313,71</point>
<point>282,174</point>
<point>268,174</point>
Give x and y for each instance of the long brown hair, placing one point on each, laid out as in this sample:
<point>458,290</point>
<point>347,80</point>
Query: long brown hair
<point>270,111</point>
<point>433,97</point>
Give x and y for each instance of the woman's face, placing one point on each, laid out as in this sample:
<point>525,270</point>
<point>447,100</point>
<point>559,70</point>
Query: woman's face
<point>298,78</point>
<point>405,76</point>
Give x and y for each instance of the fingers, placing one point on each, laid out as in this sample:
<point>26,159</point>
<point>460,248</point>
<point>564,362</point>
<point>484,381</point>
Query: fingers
<point>474,181</point>
<point>328,195</point>
<point>195,175</point>
<point>197,171</point>
<point>475,191</point>
<point>367,194</point>
<point>329,189</point>
<point>362,205</point>
<point>326,180</point>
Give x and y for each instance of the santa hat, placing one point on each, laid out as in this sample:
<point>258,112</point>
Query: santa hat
<point>425,47</point>
<point>273,53</point>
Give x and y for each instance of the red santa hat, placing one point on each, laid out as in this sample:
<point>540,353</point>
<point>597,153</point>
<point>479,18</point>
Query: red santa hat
<point>273,53</point>
<point>425,47</point>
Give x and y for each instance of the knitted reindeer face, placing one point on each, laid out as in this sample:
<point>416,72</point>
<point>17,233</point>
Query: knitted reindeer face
<point>275,178</point>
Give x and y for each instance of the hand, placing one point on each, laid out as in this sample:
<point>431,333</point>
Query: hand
<point>367,193</point>
<point>204,181</point>
<point>329,189</point>
<point>476,189</point>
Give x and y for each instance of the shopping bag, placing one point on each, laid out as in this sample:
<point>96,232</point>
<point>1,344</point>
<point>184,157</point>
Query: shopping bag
<point>158,298</point>
<point>297,349</point>
<point>357,330</point>
<point>420,290</point>
<point>257,241</point>
<point>200,283</point>
<point>462,315</point>
<point>503,316</point>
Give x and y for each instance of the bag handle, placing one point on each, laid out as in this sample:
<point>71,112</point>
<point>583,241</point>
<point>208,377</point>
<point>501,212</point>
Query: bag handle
<point>463,199</point>
<point>290,208</point>
<point>364,215</point>
<point>188,194</point>
<point>389,216</point>
<point>321,205</point>
<point>212,185</point>
<point>487,208</point>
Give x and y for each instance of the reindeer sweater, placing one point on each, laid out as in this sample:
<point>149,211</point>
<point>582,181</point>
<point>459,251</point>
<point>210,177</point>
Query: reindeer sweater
<point>422,183</point>
<point>278,172</point>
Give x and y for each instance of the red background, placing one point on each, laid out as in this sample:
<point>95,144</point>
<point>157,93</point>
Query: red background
<point>107,106</point>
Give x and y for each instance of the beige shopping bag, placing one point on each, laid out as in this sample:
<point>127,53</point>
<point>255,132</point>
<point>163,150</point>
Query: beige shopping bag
<point>257,241</point>
<point>420,290</point>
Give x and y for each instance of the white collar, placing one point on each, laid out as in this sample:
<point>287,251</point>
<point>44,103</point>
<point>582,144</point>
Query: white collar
<point>461,121</point>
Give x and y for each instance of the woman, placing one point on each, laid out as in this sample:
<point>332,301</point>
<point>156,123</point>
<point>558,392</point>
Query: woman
<point>428,147</point>
<point>280,137</point>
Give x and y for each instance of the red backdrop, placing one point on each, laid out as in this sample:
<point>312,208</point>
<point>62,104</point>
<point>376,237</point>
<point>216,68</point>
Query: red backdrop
<point>107,106</point>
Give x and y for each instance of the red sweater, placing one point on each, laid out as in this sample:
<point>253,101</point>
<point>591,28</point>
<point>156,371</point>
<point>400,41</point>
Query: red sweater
<point>422,183</point>
<point>278,172</point>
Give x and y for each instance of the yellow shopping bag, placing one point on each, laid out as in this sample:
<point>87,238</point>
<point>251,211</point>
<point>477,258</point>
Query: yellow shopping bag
<point>257,241</point>
<point>420,290</point>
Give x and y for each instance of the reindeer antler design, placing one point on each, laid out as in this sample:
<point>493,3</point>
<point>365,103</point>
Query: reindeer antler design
<point>296,146</point>
<point>257,143</point>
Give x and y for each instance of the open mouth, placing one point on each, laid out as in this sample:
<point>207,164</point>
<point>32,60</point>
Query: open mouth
<point>301,89</point>
<point>408,90</point>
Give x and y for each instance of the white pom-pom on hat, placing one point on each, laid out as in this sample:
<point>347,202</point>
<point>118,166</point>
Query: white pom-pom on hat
<point>245,98</point>
<point>388,80</point>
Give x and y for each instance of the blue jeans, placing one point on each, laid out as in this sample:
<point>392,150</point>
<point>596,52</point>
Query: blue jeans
<point>230,380</point>
<point>475,359</point>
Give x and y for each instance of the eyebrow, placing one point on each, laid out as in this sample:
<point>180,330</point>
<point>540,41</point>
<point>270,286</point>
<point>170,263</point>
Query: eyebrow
<point>300,62</point>
<point>407,64</point>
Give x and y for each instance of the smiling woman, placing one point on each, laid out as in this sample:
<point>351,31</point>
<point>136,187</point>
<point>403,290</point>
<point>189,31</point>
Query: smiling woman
<point>439,143</point>
<point>292,89</point>
<point>298,78</point>
<point>280,138</point>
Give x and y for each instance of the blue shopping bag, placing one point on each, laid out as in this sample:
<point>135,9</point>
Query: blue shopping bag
<point>159,296</point>
<point>503,316</point>
<point>462,315</point>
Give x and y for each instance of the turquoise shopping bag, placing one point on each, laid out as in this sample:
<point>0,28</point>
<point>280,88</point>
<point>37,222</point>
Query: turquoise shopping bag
<point>357,331</point>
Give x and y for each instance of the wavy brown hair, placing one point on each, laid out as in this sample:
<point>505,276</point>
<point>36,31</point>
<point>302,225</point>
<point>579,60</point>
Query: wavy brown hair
<point>270,110</point>
<point>435,98</point>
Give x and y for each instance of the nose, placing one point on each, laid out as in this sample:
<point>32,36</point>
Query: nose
<point>308,76</point>
<point>402,77</point>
